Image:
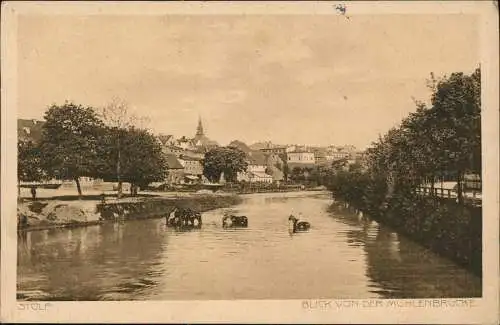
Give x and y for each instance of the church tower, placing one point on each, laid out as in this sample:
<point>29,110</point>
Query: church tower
<point>199,129</point>
<point>200,139</point>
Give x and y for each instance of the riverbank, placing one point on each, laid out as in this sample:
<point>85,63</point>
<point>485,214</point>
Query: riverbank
<point>59,213</point>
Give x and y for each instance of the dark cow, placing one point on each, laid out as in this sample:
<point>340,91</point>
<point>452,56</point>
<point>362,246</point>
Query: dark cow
<point>298,225</point>
<point>232,221</point>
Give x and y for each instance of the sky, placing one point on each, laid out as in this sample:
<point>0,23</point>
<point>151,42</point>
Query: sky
<point>305,79</point>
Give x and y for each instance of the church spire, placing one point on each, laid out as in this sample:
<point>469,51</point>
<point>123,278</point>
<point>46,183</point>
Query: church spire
<point>199,129</point>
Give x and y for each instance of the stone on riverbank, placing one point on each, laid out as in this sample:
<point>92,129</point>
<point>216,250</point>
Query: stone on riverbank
<point>57,213</point>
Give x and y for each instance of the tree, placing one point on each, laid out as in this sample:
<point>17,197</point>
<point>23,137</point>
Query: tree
<point>29,168</point>
<point>297,174</point>
<point>340,164</point>
<point>227,160</point>
<point>457,104</point>
<point>141,157</point>
<point>286,170</point>
<point>69,146</point>
<point>443,139</point>
<point>118,117</point>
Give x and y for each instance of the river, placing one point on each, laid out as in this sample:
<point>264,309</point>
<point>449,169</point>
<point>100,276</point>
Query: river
<point>342,256</point>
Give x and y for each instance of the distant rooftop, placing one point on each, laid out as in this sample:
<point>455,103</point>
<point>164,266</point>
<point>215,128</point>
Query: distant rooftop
<point>30,129</point>
<point>190,158</point>
<point>173,162</point>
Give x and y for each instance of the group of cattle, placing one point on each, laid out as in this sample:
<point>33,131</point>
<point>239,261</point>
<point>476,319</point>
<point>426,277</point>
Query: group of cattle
<point>186,218</point>
<point>190,219</point>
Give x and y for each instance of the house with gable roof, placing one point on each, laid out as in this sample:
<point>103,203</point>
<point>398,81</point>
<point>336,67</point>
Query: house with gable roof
<point>257,167</point>
<point>175,170</point>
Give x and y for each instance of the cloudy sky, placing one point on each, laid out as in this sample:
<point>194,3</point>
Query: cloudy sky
<point>289,79</point>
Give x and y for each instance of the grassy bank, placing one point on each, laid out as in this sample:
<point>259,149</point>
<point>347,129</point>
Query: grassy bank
<point>48,214</point>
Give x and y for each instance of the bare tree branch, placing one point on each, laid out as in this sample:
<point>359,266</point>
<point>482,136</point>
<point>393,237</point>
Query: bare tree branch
<point>119,114</point>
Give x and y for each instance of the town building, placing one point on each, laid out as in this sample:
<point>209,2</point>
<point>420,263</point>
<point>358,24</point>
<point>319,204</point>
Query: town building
<point>166,140</point>
<point>319,155</point>
<point>193,168</point>
<point>175,170</point>
<point>260,177</point>
<point>337,153</point>
<point>277,175</point>
<point>177,151</point>
<point>256,170</point>
<point>274,150</point>
<point>261,145</point>
<point>300,157</point>
<point>275,160</point>
<point>341,152</point>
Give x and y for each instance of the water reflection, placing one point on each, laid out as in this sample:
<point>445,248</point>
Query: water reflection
<point>344,255</point>
<point>91,263</point>
<point>400,268</point>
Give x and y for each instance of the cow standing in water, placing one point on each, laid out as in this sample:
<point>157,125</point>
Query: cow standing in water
<point>184,218</point>
<point>231,221</point>
<point>297,225</point>
<point>172,217</point>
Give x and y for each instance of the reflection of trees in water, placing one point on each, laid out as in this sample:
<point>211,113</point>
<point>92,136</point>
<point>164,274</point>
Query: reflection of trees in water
<point>83,263</point>
<point>417,273</point>
<point>401,268</point>
<point>23,246</point>
<point>132,255</point>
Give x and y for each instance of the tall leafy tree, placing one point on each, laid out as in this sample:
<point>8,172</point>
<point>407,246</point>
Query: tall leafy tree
<point>143,159</point>
<point>69,146</point>
<point>436,141</point>
<point>118,117</point>
<point>457,105</point>
<point>140,155</point>
<point>29,167</point>
<point>227,160</point>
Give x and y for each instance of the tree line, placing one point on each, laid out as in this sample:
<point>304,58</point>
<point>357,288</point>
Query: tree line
<point>438,141</point>
<point>80,141</point>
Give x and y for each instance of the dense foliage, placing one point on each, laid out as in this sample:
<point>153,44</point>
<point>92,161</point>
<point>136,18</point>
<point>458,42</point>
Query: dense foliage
<point>29,168</point>
<point>228,161</point>
<point>438,142</point>
<point>69,143</point>
<point>76,142</point>
<point>442,141</point>
<point>139,155</point>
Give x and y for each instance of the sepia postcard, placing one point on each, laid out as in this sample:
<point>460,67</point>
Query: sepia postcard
<point>250,162</point>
